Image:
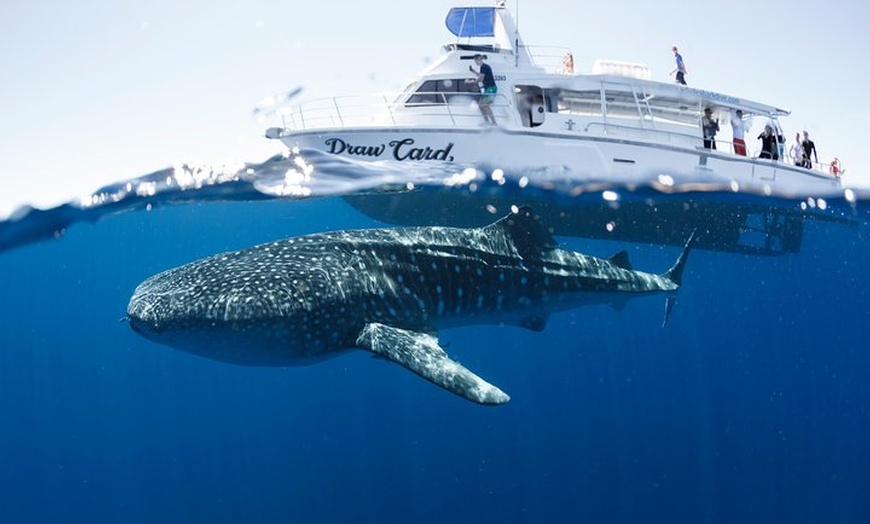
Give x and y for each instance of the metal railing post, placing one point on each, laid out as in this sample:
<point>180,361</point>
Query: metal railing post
<point>389,107</point>
<point>337,111</point>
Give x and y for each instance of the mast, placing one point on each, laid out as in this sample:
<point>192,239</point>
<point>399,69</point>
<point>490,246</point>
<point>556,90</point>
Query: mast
<point>516,34</point>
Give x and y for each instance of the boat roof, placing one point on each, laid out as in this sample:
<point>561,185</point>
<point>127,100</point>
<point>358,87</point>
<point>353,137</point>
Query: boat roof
<point>490,29</point>
<point>471,21</point>
<point>667,93</point>
<point>493,29</point>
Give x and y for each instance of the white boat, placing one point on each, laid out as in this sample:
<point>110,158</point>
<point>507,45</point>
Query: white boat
<point>613,125</point>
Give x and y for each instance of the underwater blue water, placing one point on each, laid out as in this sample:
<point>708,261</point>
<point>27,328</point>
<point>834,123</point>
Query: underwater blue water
<point>751,405</point>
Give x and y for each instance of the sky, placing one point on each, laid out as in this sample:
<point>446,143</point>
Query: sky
<point>95,92</point>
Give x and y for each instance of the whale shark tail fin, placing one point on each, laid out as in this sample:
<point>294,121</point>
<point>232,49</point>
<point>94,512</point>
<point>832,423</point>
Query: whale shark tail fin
<point>530,236</point>
<point>420,353</point>
<point>675,275</point>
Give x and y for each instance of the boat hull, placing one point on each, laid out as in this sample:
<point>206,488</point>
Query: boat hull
<point>580,157</point>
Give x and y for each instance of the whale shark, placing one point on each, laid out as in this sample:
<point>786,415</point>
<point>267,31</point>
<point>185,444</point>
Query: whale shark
<point>386,291</point>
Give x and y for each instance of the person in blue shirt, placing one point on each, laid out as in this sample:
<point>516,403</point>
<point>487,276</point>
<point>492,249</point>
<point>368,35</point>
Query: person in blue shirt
<point>680,70</point>
<point>486,80</point>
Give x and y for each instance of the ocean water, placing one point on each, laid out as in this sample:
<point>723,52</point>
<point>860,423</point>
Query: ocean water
<point>751,405</point>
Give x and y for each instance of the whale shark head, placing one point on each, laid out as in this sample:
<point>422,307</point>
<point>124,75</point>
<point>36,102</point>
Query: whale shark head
<point>243,307</point>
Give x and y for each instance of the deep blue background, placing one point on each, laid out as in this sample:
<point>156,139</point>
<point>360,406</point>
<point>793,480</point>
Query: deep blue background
<point>752,405</point>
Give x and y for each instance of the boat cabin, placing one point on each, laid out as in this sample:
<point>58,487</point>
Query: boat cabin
<point>535,91</point>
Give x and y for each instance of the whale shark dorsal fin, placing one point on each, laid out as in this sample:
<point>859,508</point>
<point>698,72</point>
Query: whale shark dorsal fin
<point>420,353</point>
<point>529,234</point>
<point>620,260</point>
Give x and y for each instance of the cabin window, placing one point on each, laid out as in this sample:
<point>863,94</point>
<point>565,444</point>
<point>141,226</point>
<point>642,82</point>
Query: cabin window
<point>586,102</point>
<point>443,91</point>
<point>674,111</point>
<point>621,104</point>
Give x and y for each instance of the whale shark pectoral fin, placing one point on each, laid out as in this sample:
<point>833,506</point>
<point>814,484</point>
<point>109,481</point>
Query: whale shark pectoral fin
<point>420,353</point>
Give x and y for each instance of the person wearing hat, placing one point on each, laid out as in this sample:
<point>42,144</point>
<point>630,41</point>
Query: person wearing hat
<point>487,81</point>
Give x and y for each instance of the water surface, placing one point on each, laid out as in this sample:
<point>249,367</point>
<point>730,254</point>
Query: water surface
<point>751,405</point>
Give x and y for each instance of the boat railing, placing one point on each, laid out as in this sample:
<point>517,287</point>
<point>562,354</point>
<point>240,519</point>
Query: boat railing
<point>335,112</point>
<point>819,168</point>
<point>677,138</point>
<point>429,108</point>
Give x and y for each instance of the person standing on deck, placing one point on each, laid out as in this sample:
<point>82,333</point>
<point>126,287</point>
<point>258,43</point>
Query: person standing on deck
<point>680,70</point>
<point>738,132</point>
<point>809,151</point>
<point>710,128</point>
<point>568,64</point>
<point>486,79</point>
<point>796,151</point>
<point>769,147</point>
<point>836,168</point>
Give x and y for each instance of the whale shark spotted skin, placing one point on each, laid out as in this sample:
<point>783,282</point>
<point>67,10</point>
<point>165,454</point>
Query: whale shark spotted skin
<point>299,300</point>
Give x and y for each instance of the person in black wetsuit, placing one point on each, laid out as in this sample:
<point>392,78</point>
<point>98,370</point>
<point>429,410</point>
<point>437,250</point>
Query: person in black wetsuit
<point>809,151</point>
<point>486,80</point>
<point>769,146</point>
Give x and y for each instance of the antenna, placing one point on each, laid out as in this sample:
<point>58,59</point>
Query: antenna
<point>517,35</point>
